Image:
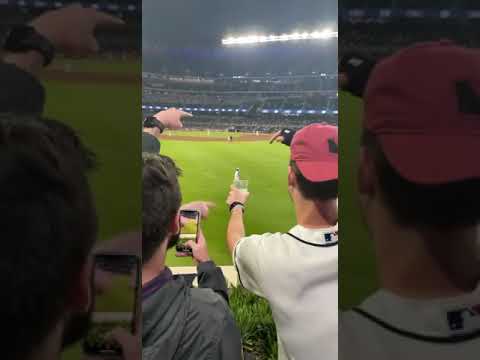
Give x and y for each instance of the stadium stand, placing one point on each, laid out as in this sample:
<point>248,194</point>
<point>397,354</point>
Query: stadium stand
<point>245,103</point>
<point>381,27</point>
<point>261,88</point>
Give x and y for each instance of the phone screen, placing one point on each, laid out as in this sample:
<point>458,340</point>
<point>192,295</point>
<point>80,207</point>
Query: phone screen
<point>115,281</point>
<point>189,220</point>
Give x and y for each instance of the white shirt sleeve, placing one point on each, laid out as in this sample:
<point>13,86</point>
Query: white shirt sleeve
<point>247,258</point>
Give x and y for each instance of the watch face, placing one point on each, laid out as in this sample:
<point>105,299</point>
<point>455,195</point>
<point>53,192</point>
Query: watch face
<point>17,38</point>
<point>25,38</point>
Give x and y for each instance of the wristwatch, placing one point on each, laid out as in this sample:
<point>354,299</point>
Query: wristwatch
<point>152,122</point>
<point>235,204</point>
<point>23,38</point>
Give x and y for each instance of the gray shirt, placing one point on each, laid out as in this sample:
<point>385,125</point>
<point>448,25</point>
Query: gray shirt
<point>180,322</point>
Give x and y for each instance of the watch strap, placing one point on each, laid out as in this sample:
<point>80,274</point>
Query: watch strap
<point>235,204</point>
<point>24,38</point>
<point>152,121</point>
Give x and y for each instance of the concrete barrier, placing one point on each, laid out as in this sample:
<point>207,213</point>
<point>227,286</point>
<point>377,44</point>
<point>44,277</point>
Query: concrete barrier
<point>228,271</point>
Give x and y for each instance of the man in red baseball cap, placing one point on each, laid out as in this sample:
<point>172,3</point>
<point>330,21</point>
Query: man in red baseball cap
<point>419,185</point>
<point>297,272</point>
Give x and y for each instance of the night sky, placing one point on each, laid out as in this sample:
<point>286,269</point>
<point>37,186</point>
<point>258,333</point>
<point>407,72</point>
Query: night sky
<point>171,28</point>
<point>181,22</point>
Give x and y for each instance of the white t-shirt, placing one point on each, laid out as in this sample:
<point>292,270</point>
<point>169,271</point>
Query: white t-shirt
<point>297,273</point>
<point>386,326</point>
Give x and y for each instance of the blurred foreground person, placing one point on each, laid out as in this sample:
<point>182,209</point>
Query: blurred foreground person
<point>28,48</point>
<point>419,185</point>
<point>48,228</point>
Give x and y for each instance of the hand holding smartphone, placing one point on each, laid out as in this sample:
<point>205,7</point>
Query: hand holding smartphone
<point>189,229</point>
<point>114,309</point>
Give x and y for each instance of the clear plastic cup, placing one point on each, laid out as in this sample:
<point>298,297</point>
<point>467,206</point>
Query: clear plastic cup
<point>241,185</point>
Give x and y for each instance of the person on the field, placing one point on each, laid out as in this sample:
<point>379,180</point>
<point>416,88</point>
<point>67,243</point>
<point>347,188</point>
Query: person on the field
<point>154,125</point>
<point>297,271</point>
<point>179,322</point>
<point>419,186</point>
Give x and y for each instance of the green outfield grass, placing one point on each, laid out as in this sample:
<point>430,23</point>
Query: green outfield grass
<point>208,169</point>
<point>357,269</point>
<point>107,118</point>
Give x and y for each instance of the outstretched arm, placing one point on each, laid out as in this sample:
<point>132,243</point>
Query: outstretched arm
<point>236,229</point>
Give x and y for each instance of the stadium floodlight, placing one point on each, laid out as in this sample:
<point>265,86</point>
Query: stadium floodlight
<point>324,34</point>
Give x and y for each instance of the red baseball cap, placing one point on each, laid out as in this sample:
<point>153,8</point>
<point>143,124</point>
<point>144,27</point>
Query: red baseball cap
<point>423,104</point>
<point>315,151</point>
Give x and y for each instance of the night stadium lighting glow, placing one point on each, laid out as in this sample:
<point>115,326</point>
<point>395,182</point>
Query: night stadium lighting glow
<point>296,36</point>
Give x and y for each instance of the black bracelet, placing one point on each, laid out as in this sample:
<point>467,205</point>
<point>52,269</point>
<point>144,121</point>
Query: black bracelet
<point>235,204</point>
<point>152,122</point>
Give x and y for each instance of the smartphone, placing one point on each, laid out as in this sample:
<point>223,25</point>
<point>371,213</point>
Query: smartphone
<point>115,284</point>
<point>189,225</point>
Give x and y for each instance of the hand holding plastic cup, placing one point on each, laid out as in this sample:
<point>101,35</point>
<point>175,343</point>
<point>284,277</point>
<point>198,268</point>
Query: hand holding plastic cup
<point>239,184</point>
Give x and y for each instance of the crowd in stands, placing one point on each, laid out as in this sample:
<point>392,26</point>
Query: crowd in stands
<point>383,38</point>
<point>256,121</point>
<point>380,27</point>
<point>242,83</point>
<point>245,102</point>
<point>264,124</point>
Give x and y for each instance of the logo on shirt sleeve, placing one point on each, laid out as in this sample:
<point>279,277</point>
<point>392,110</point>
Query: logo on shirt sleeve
<point>459,319</point>
<point>331,237</point>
